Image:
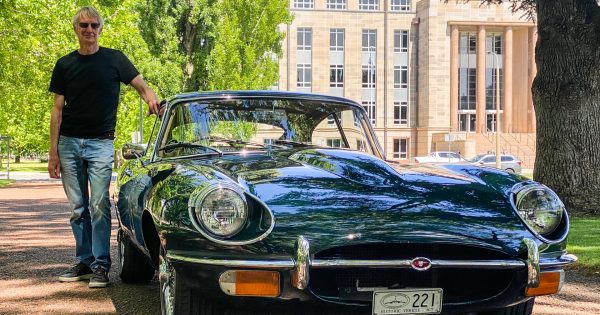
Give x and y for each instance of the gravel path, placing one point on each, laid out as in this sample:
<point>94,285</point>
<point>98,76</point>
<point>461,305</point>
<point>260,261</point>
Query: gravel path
<point>37,245</point>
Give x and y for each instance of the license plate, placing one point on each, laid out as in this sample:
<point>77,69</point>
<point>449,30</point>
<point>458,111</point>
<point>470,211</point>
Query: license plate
<point>407,301</point>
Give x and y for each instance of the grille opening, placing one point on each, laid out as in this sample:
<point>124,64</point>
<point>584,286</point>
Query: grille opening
<point>459,284</point>
<point>358,284</point>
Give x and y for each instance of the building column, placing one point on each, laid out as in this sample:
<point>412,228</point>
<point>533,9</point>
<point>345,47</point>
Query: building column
<point>532,39</point>
<point>508,79</point>
<point>480,82</point>
<point>454,78</point>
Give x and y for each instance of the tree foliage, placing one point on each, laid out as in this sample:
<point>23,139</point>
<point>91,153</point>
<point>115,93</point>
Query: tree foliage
<point>227,44</point>
<point>247,46</point>
<point>170,42</point>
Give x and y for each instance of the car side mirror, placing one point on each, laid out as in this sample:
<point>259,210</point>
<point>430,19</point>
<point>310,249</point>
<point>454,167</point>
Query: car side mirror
<point>481,162</point>
<point>132,151</point>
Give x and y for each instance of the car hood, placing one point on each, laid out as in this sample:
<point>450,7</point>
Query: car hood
<point>338,197</point>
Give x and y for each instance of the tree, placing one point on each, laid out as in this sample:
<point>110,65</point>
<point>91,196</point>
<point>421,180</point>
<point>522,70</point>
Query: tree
<point>218,44</point>
<point>248,45</point>
<point>34,34</point>
<point>566,97</point>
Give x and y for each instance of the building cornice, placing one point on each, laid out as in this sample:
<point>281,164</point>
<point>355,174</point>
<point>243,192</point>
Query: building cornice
<point>491,23</point>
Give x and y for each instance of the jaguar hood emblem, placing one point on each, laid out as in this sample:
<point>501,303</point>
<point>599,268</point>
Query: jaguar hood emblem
<point>420,264</point>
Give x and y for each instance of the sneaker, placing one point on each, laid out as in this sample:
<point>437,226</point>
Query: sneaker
<point>99,279</point>
<point>77,273</point>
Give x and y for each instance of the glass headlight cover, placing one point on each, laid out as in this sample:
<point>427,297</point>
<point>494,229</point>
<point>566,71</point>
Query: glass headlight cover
<point>540,208</point>
<point>222,211</point>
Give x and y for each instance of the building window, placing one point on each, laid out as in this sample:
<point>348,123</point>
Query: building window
<point>368,5</point>
<point>467,43</point>
<point>336,39</point>
<point>304,38</point>
<point>400,148</point>
<point>361,145</point>
<point>336,4</point>
<point>369,40</point>
<point>336,75</point>
<point>493,43</point>
<point>370,108</point>
<point>400,77</point>
<point>304,78</point>
<point>467,75</point>
<point>400,113</point>
<point>330,120</point>
<point>466,122</point>
<point>400,5</point>
<point>369,77</point>
<point>304,4</point>
<point>400,41</point>
<point>268,141</point>
<point>334,143</point>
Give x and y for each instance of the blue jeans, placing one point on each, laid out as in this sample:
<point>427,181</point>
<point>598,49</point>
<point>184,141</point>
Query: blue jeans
<point>83,162</point>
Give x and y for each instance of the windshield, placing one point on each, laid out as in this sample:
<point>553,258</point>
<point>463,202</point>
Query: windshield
<point>477,158</point>
<point>242,126</point>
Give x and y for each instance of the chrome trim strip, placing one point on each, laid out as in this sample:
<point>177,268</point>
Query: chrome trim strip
<point>533,263</point>
<point>236,263</point>
<point>562,261</point>
<point>302,263</point>
<point>300,266</point>
<point>485,264</point>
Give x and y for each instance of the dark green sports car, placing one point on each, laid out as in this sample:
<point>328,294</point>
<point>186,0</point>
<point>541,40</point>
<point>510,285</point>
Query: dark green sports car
<point>277,202</point>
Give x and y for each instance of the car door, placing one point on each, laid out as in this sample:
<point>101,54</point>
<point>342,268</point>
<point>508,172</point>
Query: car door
<point>489,160</point>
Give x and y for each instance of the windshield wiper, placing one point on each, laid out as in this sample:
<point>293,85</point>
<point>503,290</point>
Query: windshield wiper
<point>175,145</point>
<point>232,141</point>
<point>292,143</point>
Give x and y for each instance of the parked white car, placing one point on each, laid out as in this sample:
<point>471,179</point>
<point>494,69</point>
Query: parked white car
<point>440,157</point>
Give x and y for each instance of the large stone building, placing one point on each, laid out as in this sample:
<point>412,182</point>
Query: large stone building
<point>423,69</point>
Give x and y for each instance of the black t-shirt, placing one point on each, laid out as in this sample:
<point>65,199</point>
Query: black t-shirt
<point>91,86</point>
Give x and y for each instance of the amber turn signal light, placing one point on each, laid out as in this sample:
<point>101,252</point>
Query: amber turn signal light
<point>250,283</point>
<point>550,283</point>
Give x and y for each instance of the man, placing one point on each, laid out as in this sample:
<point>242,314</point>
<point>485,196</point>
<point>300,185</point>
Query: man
<point>86,86</point>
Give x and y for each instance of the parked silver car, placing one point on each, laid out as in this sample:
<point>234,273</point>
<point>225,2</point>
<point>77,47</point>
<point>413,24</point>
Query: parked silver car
<point>508,162</point>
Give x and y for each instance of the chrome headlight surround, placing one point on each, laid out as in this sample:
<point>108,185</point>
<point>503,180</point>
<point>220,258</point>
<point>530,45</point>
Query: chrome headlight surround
<point>219,211</point>
<point>542,211</point>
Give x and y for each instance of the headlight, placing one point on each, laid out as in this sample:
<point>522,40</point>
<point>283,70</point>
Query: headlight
<point>540,208</point>
<point>220,210</point>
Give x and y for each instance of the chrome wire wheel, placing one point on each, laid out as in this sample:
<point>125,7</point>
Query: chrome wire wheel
<point>121,249</point>
<point>166,278</point>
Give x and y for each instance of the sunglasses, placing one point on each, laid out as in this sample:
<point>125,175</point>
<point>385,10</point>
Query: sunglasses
<point>85,25</point>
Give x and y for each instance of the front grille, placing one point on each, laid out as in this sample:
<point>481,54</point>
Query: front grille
<point>459,284</point>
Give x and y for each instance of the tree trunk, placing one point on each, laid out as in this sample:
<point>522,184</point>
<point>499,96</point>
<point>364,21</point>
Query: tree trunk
<point>566,95</point>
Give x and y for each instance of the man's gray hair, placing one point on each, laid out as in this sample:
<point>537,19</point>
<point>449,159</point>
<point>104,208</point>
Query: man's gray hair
<point>87,12</point>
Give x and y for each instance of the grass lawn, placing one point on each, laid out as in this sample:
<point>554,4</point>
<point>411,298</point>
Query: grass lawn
<point>25,166</point>
<point>6,182</point>
<point>584,241</point>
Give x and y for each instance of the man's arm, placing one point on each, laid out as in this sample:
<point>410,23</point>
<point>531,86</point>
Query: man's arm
<point>55,121</point>
<point>146,93</point>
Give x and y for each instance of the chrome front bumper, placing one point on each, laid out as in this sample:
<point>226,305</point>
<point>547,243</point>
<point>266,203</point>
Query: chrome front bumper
<point>302,263</point>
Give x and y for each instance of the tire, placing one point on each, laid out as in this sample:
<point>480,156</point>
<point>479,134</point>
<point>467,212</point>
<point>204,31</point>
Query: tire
<point>135,267</point>
<point>510,170</point>
<point>175,297</point>
<point>525,308</point>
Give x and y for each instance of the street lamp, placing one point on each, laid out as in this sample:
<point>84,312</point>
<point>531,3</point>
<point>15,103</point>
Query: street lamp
<point>497,68</point>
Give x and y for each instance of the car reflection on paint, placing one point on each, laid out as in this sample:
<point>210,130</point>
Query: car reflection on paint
<point>255,200</point>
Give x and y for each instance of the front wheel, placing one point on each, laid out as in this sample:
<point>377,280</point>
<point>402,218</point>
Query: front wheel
<point>134,266</point>
<point>174,295</point>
